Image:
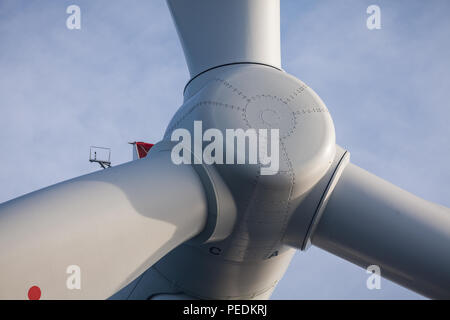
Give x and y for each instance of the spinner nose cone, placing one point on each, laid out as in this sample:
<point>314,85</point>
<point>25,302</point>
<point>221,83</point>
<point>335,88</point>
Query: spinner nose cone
<point>251,97</point>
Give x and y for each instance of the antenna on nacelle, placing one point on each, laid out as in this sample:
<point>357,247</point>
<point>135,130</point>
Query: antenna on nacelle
<point>100,155</point>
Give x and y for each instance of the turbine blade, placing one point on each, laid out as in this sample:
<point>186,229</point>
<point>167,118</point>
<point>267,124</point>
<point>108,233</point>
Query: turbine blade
<point>369,221</point>
<point>216,32</point>
<point>113,224</point>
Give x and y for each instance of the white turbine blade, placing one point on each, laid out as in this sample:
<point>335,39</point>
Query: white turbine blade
<point>217,32</point>
<point>369,221</point>
<point>113,224</point>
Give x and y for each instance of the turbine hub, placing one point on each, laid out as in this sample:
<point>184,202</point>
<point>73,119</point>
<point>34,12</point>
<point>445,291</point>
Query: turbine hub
<point>263,99</point>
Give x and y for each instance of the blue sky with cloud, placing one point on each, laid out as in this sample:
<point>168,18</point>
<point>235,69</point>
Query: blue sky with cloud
<point>120,78</point>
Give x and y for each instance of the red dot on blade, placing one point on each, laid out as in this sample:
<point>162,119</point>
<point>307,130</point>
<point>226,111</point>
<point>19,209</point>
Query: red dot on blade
<point>34,293</point>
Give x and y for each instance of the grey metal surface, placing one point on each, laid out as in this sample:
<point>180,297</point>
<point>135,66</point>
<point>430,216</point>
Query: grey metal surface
<point>215,32</point>
<point>148,285</point>
<point>113,224</point>
<point>250,262</point>
<point>306,215</point>
<point>369,221</point>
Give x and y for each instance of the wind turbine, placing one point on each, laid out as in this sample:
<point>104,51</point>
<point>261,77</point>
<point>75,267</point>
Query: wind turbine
<point>223,231</point>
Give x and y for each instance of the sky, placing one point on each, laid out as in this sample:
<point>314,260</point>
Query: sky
<point>120,78</point>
